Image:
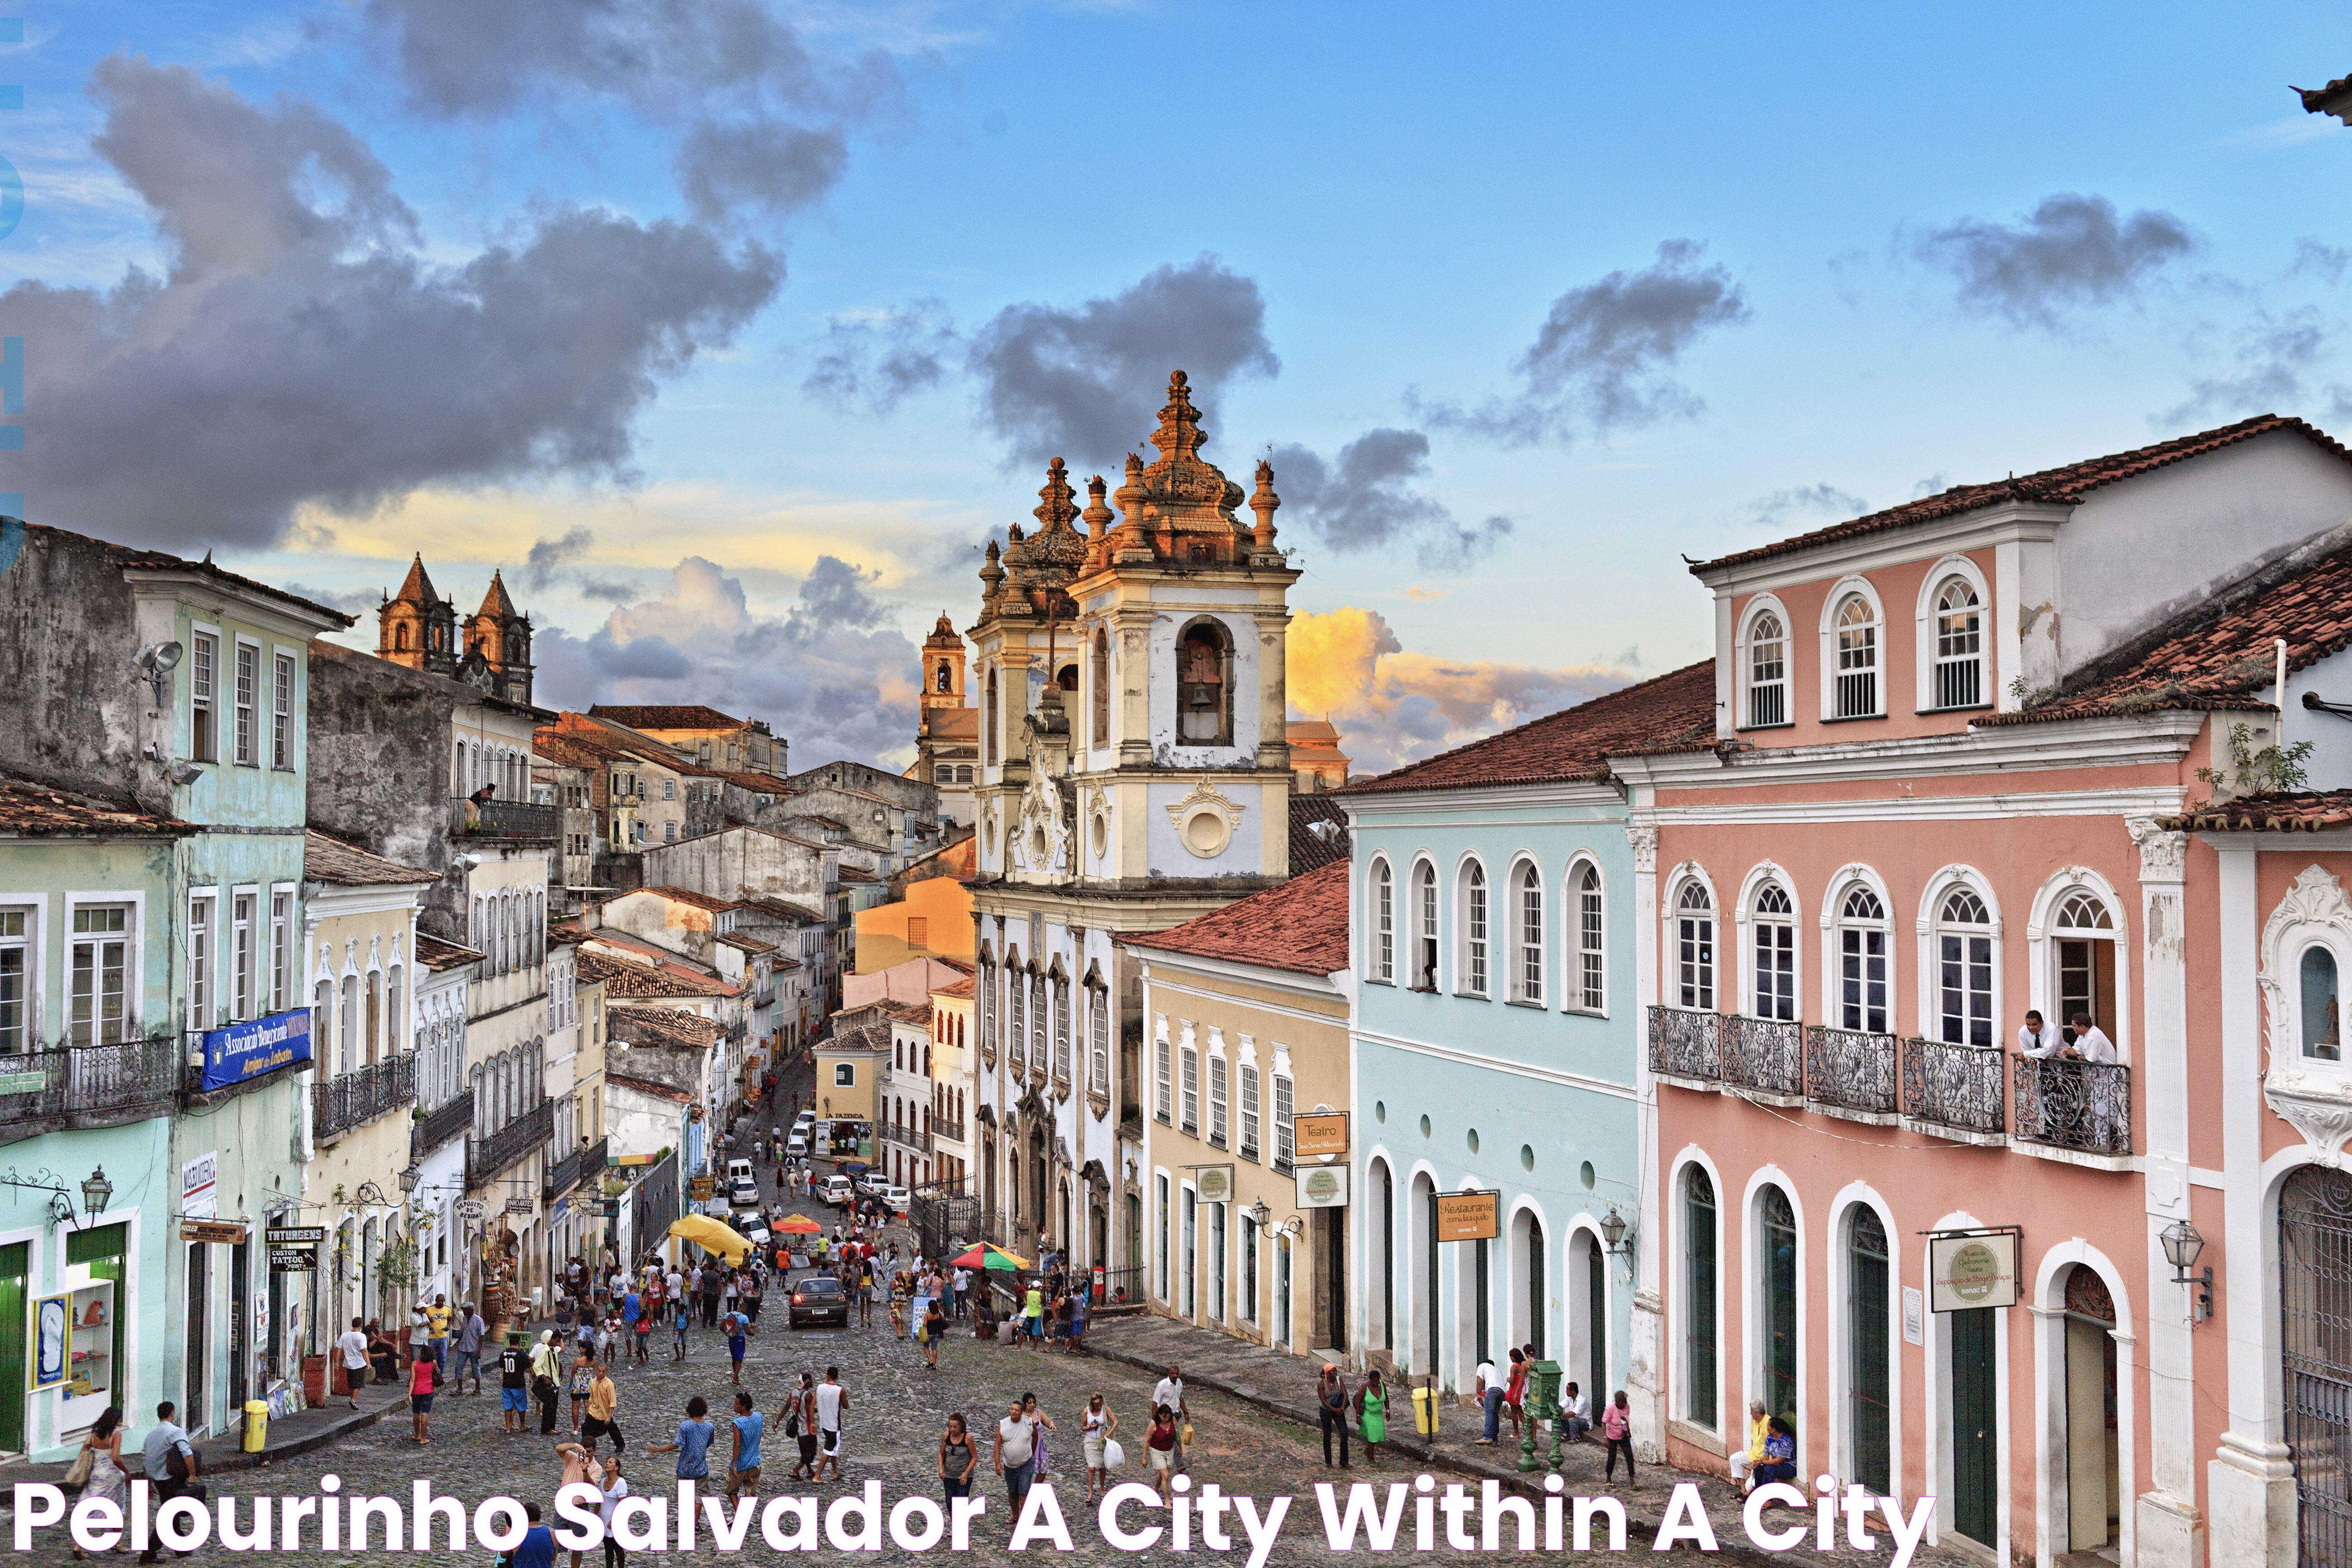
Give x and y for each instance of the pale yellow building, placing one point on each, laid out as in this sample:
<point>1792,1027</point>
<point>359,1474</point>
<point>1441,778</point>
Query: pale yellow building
<point>1246,1019</point>
<point>930,919</point>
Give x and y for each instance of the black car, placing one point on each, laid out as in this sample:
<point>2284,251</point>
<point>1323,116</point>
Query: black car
<point>819,1297</point>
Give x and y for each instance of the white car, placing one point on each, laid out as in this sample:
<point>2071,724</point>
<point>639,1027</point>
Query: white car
<point>873,1184</point>
<point>743,1189</point>
<point>896,1199</point>
<point>797,1146</point>
<point>837,1190</point>
<point>739,1170</point>
<point>807,1115</point>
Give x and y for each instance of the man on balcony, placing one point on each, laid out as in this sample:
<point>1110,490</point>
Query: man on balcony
<point>2038,1040</point>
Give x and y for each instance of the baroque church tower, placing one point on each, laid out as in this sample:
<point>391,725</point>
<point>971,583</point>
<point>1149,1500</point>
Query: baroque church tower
<point>418,628</point>
<point>1134,773</point>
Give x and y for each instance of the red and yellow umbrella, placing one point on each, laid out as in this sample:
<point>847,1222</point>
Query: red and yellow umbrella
<point>987,1256</point>
<point>800,1224</point>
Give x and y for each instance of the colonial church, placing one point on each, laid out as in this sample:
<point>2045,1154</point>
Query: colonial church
<point>1134,772</point>
<point>417,628</point>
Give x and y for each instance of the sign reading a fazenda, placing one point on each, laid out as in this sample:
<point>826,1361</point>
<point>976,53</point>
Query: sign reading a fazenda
<point>245,1051</point>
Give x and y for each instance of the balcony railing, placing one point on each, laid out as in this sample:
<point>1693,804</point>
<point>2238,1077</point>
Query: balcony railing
<point>1685,1043</point>
<point>574,1168</point>
<point>952,1131</point>
<point>2083,1106</point>
<point>87,1085</point>
<point>1849,1072</point>
<point>1956,1087</point>
<point>512,819</point>
<point>344,1101</point>
<point>1764,1056</point>
<point>905,1136</point>
<point>437,1126</point>
<point>486,1157</point>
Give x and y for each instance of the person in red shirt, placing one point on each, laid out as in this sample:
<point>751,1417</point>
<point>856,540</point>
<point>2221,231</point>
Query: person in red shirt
<point>421,1378</point>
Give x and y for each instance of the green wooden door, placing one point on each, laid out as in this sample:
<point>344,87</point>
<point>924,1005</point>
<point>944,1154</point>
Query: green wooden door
<point>15,1266</point>
<point>1779,1305</point>
<point>1975,1476</point>
<point>1870,1418</point>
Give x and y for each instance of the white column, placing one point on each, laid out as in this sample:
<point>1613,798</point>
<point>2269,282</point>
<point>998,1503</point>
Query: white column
<point>2250,1483</point>
<point>2168,1530</point>
<point>1645,1378</point>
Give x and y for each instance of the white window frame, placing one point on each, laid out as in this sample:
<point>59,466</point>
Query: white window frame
<point>1933,930</point>
<point>204,959</point>
<point>283,674</point>
<point>1163,1075</point>
<point>1834,925</point>
<point>1187,1086</point>
<point>246,932</point>
<point>1589,947</point>
<point>1524,908</point>
<point>1753,921</point>
<point>2042,936</point>
<point>283,958</point>
<point>1248,1146</point>
<point>1285,1113</point>
<point>1473,918</point>
<point>1939,576</point>
<point>1428,939</point>
<point>1744,648</point>
<point>134,924</point>
<point>1695,982</point>
<point>203,693</point>
<point>1848,588</point>
<point>1220,1090</point>
<point>1098,1039</point>
<point>245,702</point>
<point>1381,927</point>
<point>27,1032</point>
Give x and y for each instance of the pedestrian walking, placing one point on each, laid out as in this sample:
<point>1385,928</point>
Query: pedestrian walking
<point>1331,1410</point>
<point>421,1374</point>
<point>169,1458</point>
<point>1170,1391</point>
<point>471,1330</point>
<point>603,1412</point>
<point>104,1477</point>
<point>736,1326</point>
<point>1372,1415</point>
<point>831,1399</point>
<point>744,1468</point>
<point>692,1442</point>
<point>1097,1427</point>
<point>1515,1392</point>
<point>959,1458</point>
<point>1016,1453</point>
<point>800,1424</point>
<point>615,1488</point>
<point>420,1335</point>
<point>545,1369</point>
<point>583,1373</point>
<point>1160,1442</point>
<point>1617,1426</point>
<point>1489,1391</point>
<point>963,1294</point>
<point>934,1329</point>
<point>437,1318</point>
<point>351,1344</point>
<point>514,1385</point>
<point>677,1322</point>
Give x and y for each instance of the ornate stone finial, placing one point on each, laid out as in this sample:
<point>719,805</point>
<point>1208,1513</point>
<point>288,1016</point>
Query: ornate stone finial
<point>1055,508</point>
<point>1096,514</point>
<point>991,575</point>
<point>1178,436</point>
<point>1263,503</point>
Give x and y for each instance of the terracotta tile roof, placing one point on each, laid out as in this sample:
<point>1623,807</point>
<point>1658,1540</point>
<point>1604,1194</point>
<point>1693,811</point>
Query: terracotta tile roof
<point>28,810</point>
<point>2308,812</point>
<point>1301,925</point>
<point>668,1024</point>
<point>646,1086</point>
<point>1672,712</point>
<point>759,784</point>
<point>2062,486</point>
<point>689,897</point>
<point>623,977</point>
<point>438,956</point>
<point>909,1011</point>
<point>1310,848</point>
<point>656,716</point>
<point>157,561</point>
<point>326,859</point>
<point>585,745</point>
<point>569,749</point>
<point>744,943</point>
<point>2221,654</point>
<point>856,874</point>
<point>783,909</point>
<point>961,991</point>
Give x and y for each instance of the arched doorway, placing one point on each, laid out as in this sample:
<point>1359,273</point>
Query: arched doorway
<point>2315,1301</point>
<point>1869,1406</point>
<point>1776,1251</point>
<point>2094,1484</point>
<point>1587,1319</point>
<point>1528,1302</point>
<point>1422,1350</point>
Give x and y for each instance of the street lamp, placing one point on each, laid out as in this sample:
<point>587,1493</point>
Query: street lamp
<point>1259,1214</point>
<point>95,1191</point>
<point>409,1178</point>
<point>2183,1243</point>
<point>1613,1229</point>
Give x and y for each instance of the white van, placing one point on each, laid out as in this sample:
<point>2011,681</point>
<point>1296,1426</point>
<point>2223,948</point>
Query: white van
<point>739,1170</point>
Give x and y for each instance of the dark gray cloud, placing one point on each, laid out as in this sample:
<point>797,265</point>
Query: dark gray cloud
<point>549,557</point>
<point>831,673</point>
<point>1805,499</point>
<point>300,352</point>
<point>2276,360</point>
<point>761,116</point>
<point>1365,499</point>
<point>1603,357</point>
<point>2073,251</point>
<point>873,365</point>
<point>1934,484</point>
<point>350,601</point>
<point>1086,380</point>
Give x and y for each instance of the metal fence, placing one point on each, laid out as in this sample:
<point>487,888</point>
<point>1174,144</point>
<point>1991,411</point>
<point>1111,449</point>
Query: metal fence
<point>87,1085</point>
<point>347,1099</point>
<point>1849,1070</point>
<point>1954,1086</point>
<point>439,1126</point>
<point>520,819</point>
<point>1686,1042</point>
<point>2084,1106</point>
<point>1764,1055</point>
<point>945,1222</point>
<point>486,1157</point>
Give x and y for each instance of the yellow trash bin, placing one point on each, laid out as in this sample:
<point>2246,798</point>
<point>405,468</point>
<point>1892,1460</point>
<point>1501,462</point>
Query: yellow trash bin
<point>1424,1411</point>
<point>256,1425</point>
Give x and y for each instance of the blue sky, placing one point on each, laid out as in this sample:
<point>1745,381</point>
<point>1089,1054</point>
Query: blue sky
<point>1858,300</point>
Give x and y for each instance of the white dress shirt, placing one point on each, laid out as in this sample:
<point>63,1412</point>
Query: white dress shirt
<point>2041,1047</point>
<point>2095,1046</point>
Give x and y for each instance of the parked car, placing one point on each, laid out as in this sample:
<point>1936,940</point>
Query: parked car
<point>839,1189</point>
<point>818,1298</point>
<point>743,1189</point>
<point>873,1184</point>
<point>796,1146</point>
<point>739,1170</point>
<point>896,1199</point>
<point>807,1115</point>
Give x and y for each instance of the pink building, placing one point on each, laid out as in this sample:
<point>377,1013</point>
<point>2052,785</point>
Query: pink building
<point>1965,751</point>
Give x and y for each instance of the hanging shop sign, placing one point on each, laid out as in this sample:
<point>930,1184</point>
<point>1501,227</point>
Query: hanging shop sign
<point>518,1206</point>
<point>245,1051</point>
<point>293,1249</point>
<point>219,1232</point>
<point>1323,1187</point>
<point>471,1208</point>
<point>1213,1184</point>
<point>52,1343</point>
<point>1469,1216</point>
<point>1320,1134</point>
<point>1968,1269</point>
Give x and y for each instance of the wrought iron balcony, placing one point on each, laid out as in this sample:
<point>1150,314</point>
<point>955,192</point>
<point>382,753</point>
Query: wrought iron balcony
<point>950,1132</point>
<point>486,1157</point>
<point>347,1100</point>
<point>905,1135</point>
<point>578,1166</point>
<point>436,1127</point>
<point>1686,1042</point>
<point>505,819</point>
<point>1850,1073</point>
<point>1764,1057</point>
<point>1954,1090</point>
<point>88,1086</point>
<point>2082,1106</point>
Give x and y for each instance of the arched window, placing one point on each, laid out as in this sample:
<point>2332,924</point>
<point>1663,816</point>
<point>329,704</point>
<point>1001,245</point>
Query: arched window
<point>1098,1039</point>
<point>1100,677</point>
<point>1062,1028</point>
<point>946,677</point>
<point>1959,647</point>
<point>1036,1023</point>
<point>1699,1368</point>
<point>2323,1034</point>
<point>1861,963</point>
<point>322,1022</point>
<point>1857,659</point>
<point>1767,670</point>
<point>1778,1286</point>
<point>1694,948</point>
<point>1383,923</point>
<point>400,639</point>
<point>2084,945</point>
<point>1016,1034</point>
<point>963,773</point>
<point>1870,1401</point>
<point>1529,936</point>
<point>1474,929</point>
<point>375,1034</point>
<point>1204,707</point>
<point>1591,958</point>
<point>1964,970</point>
<point>987,1004</point>
<point>347,1058</point>
<point>1775,930</point>
<point>1424,922</point>
<point>988,719</point>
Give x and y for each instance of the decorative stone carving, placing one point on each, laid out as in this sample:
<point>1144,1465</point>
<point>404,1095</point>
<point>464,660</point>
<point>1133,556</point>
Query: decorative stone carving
<point>1204,820</point>
<point>2163,856</point>
<point>1643,837</point>
<point>2317,1104</point>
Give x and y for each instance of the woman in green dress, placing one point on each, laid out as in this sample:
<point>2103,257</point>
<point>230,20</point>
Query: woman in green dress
<point>1372,1415</point>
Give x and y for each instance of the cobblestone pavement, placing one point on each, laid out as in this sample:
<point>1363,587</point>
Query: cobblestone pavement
<point>897,1411</point>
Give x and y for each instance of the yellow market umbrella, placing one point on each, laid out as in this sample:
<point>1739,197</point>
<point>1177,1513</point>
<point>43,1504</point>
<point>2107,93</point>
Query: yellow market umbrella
<point>800,1224</point>
<point>707,1232</point>
<point>985,1255</point>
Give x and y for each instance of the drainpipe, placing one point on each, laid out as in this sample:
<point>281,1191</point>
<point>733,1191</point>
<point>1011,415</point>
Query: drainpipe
<point>2279,647</point>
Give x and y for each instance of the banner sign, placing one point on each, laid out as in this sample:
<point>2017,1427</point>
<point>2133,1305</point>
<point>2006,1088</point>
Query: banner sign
<point>1971,1271</point>
<point>245,1051</point>
<point>200,1186</point>
<point>470,1208</point>
<point>1213,1184</point>
<point>518,1206</point>
<point>1324,1188</point>
<point>1469,1216</point>
<point>1320,1134</point>
<point>221,1232</point>
<point>293,1249</point>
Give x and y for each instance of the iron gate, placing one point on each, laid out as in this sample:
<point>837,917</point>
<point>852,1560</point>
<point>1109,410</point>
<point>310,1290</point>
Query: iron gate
<point>944,1222</point>
<point>2315,1296</point>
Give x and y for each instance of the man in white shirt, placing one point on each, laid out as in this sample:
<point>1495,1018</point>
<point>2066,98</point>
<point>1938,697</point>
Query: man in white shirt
<point>2091,1043</point>
<point>2038,1040</point>
<point>1016,1453</point>
<point>352,1342</point>
<point>1488,1392</point>
<point>962,1293</point>
<point>1170,1391</point>
<point>831,1400</point>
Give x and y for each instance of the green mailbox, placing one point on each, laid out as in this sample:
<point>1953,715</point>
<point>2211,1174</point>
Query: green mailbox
<point>1541,1402</point>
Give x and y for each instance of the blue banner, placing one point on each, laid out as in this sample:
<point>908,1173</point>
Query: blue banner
<point>245,1051</point>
